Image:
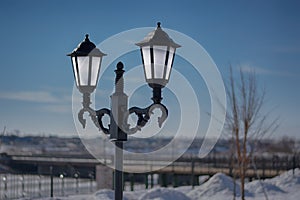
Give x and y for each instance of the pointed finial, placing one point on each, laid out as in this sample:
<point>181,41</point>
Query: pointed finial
<point>87,37</point>
<point>158,24</point>
<point>120,66</point>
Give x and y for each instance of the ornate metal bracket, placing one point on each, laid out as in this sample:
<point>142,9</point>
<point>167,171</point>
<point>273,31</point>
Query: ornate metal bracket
<point>96,117</point>
<point>100,113</point>
<point>143,115</point>
<point>92,115</point>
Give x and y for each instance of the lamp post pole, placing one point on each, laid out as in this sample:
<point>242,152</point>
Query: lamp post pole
<point>117,135</point>
<point>118,179</point>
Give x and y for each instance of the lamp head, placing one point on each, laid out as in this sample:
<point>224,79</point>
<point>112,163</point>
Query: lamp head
<point>86,60</point>
<point>158,52</point>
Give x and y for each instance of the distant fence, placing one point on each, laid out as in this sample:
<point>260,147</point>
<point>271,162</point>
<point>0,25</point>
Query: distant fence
<point>14,186</point>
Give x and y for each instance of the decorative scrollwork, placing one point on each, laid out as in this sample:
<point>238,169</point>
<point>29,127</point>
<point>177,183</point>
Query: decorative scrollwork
<point>96,117</point>
<point>100,113</point>
<point>143,115</point>
<point>92,115</point>
<point>164,114</point>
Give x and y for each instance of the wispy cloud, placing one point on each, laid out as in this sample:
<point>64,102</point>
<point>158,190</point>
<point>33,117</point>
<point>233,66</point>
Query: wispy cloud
<point>31,96</point>
<point>263,71</point>
<point>48,101</point>
<point>61,109</point>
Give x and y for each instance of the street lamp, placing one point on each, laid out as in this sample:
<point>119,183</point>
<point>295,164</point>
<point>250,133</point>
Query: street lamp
<point>158,52</point>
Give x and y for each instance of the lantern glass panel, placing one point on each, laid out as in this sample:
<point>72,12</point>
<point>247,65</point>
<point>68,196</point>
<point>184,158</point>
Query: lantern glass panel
<point>159,61</point>
<point>96,61</point>
<point>83,68</point>
<point>75,70</point>
<point>170,61</point>
<point>147,61</point>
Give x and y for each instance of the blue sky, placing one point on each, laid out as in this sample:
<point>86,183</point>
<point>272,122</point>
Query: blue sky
<point>36,77</point>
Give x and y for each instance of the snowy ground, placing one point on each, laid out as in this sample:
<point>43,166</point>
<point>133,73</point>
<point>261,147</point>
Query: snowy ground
<point>219,187</point>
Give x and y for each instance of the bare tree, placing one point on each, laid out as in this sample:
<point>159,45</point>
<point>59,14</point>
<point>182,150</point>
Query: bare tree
<point>245,119</point>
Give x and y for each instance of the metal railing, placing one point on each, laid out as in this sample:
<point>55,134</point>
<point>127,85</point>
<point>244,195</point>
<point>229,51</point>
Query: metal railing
<point>14,186</point>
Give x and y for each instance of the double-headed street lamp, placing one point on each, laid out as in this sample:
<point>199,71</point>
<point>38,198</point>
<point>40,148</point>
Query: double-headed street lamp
<point>158,52</point>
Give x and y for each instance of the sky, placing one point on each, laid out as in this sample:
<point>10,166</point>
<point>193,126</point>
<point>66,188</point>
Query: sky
<point>36,84</point>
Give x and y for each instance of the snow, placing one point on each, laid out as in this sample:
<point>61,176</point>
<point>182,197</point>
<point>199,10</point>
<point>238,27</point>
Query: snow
<point>105,194</point>
<point>164,194</point>
<point>219,184</point>
<point>257,187</point>
<point>219,187</point>
<point>287,180</point>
